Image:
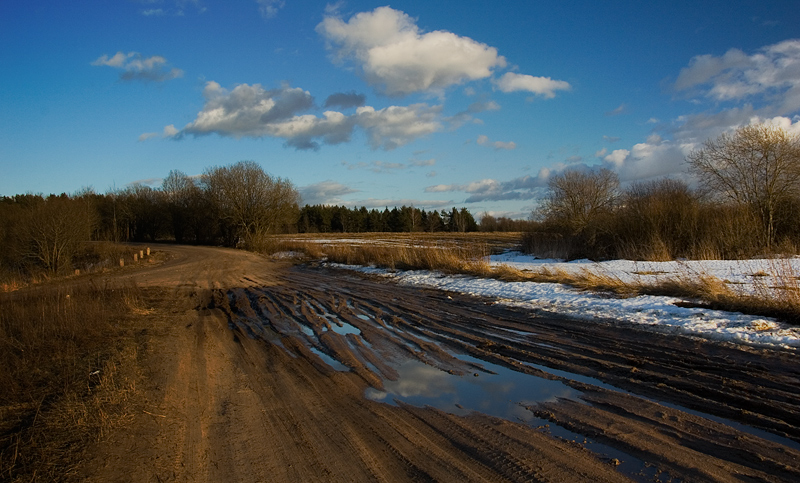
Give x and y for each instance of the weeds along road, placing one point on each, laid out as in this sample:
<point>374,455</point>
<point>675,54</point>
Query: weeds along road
<point>256,370</point>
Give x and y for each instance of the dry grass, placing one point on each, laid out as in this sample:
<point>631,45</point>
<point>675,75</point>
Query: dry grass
<point>775,292</point>
<point>66,360</point>
<point>92,257</point>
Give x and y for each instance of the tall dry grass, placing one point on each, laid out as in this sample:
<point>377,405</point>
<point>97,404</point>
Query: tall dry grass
<point>776,295</point>
<point>90,257</point>
<point>65,378</point>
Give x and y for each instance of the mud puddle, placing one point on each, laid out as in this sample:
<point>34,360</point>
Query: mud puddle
<point>504,393</point>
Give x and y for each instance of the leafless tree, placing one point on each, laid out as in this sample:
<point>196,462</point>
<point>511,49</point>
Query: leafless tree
<point>757,166</point>
<point>576,197</point>
<point>181,196</point>
<point>250,201</point>
<point>50,233</point>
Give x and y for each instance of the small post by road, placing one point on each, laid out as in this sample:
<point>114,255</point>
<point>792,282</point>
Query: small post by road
<point>148,251</point>
<point>135,257</point>
<point>141,254</point>
<point>121,262</point>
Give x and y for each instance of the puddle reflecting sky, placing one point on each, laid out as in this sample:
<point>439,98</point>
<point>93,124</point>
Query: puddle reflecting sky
<point>502,394</point>
<point>344,329</point>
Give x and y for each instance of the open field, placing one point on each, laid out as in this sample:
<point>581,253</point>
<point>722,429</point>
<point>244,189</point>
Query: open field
<point>254,369</point>
<point>705,298</point>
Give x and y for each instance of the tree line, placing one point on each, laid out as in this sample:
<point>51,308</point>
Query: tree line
<point>745,205</point>
<point>236,205</point>
<point>333,219</point>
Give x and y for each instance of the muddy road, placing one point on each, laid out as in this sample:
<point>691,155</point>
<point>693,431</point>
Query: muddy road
<point>256,370</point>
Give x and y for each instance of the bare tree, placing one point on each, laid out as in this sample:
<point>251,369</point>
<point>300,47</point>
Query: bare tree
<point>757,166</point>
<point>577,197</point>
<point>50,233</point>
<point>180,193</point>
<point>250,201</point>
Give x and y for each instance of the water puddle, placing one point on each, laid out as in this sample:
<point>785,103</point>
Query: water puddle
<point>336,365</point>
<point>502,394</point>
<point>733,424</point>
<point>344,329</point>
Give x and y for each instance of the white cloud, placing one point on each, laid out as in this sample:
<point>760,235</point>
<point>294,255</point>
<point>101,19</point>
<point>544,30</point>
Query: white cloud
<point>771,74</point>
<point>423,162</point>
<point>617,157</point>
<point>543,86</point>
<point>622,109</point>
<point>325,193</point>
<point>375,166</point>
<point>175,7</point>
<point>270,8</point>
<point>136,67</point>
<point>523,188</point>
<point>170,131</point>
<point>601,153</point>
<point>466,116</point>
<point>497,145</point>
<point>255,112</point>
<point>397,57</point>
<point>145,136</point>
<point>396,126</point>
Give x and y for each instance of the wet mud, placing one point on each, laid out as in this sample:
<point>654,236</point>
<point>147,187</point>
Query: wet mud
<point>335,376</point>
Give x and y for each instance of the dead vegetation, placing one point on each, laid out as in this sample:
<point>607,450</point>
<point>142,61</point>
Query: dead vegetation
<point>67,357</point>
<point>775,294</point>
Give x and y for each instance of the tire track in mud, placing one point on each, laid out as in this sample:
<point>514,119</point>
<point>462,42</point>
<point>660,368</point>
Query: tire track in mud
<point>370,326</point>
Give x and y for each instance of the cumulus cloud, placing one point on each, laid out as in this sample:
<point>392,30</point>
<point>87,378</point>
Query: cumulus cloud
<point>345,100</point>
<point>396,126</point>
<point>325,193</point>
<point>772,75</point>
<point>136,67</point>
<point>497,145</point>
<point>255,112</point>
<point>542,86</point>
<point>395,56</point>
<point>270,8</point>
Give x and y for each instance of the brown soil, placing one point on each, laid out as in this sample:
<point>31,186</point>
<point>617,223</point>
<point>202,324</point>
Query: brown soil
<point>235,388</point>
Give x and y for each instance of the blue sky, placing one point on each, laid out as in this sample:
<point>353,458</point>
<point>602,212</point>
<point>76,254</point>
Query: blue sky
<point>431,104</point>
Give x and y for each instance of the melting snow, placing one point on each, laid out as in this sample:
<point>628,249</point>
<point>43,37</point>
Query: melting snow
<point>657,312</point>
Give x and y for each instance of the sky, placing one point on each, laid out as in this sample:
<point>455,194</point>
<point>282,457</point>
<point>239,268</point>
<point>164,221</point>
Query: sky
<point>433,104</point>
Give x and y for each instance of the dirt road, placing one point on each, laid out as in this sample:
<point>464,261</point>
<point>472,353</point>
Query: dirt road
<point>259,371</point>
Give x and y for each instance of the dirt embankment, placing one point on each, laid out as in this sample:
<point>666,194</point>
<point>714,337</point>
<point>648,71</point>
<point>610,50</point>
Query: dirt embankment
<point>257,371</point>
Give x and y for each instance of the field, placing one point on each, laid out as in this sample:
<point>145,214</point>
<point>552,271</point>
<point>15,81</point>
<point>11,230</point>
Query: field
<point>261,368</point>
<point>672,295</point>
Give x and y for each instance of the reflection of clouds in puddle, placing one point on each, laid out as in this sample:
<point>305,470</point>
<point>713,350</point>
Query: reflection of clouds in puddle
<point>503,394</point>
<point>419,379</point>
